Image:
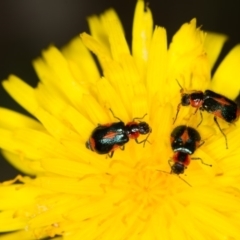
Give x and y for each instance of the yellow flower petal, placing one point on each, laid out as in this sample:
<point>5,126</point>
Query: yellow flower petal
<point>98,31</point>
<point>142,33</point>
<point>18,195</point>
<point>80,61</point>
<point>57,129</point>
<point>157,63</point>
<point>21,92</point>
<point>214,220</point>
<point>63,80</point>
<point>13,120</point>
<point>227,75</point>
<point>113,26</point>
<point>71,186</point>
<point>26,235</point>
<point>109,95</point>
<point>213,44</point>
<point>9,223</point>
<point>96,47</point>
<point>77,193</point>
<point>187,56</point>
<point>20,162</point>
<point>181,46</point>
<point>31,144</point>
<point>64,112</point>
<point>69,168</point>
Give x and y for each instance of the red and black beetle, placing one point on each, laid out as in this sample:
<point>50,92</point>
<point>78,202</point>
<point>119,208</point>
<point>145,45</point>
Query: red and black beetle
<point>184,141</point>
<point>211,102</point>
<point>105,139</point>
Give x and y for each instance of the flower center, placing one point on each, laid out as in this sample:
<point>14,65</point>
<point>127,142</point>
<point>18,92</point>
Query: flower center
<point>148,187</point>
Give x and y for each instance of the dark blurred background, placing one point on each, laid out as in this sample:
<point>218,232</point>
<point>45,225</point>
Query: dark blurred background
<point>28,26</point>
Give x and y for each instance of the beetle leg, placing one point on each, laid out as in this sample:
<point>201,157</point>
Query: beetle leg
<point>122,147</point>
<point>215,120</point>
<point>201,117</point>
<point>178,109</point>
<point>201,143</point>
<point>143,141</point>
<point>110,155</point>
<point>170,161</point>
<point>210,165</point>
<point>196,111</point>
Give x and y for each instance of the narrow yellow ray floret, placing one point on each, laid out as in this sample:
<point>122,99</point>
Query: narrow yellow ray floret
<point>226,73</point>
<point>70,192</point>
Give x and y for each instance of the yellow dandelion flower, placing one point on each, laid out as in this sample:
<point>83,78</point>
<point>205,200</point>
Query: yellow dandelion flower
<point>71,192</point>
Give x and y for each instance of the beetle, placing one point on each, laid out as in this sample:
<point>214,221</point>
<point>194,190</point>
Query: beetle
<point>184,142</point>
<point>106,138</point>
<point>211,102</point>
<point>185,139</point>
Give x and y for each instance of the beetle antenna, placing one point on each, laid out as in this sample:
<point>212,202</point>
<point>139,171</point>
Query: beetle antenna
<point>146,139</point>
<point>177,175</point>
<point>114,115</point>
<point>179,85</point>
<point>139,118</point>
<point>185,181</point>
